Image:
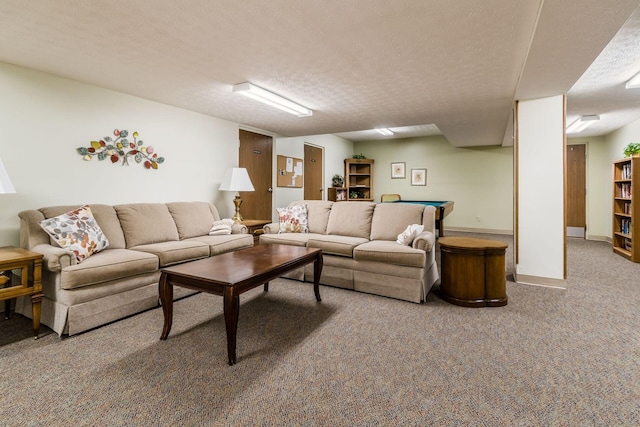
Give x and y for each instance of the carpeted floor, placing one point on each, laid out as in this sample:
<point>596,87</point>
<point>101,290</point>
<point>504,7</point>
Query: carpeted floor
<point>550,357</point>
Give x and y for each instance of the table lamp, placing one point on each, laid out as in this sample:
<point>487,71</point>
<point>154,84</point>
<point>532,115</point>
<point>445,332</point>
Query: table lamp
<point>6,187</point>
<point>237,179</point>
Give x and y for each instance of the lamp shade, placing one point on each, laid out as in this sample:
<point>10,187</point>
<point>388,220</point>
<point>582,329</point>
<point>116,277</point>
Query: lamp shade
<point>236,179</point>
<point>6,186</point>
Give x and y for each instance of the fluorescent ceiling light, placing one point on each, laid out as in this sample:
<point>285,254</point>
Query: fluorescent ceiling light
<point>385,131</point>
<point>252,91</point>
<point>582,123</point>
<point>633,83</point>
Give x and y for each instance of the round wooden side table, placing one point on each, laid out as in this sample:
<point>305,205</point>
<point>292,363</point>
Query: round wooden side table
<point>473,271</point>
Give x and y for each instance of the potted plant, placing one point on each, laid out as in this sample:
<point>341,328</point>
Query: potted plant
<point>358,156</point>
<point>632,149</point>
<point>337,180</point>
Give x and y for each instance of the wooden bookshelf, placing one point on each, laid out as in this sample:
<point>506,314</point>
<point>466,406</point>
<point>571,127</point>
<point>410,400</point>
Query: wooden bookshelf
<point>626,208</point>
<point>358,175</point>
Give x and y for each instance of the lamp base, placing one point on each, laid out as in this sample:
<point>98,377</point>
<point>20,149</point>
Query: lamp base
<point>237,218</point>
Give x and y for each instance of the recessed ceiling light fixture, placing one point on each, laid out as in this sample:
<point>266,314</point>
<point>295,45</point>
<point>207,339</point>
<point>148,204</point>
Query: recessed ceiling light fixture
<point>385,131</point>
<point>633,82</point>
<point>252,91</point>
<point>582,123</point>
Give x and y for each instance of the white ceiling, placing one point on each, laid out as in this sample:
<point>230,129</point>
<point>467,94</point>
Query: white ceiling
<point>419,67</point>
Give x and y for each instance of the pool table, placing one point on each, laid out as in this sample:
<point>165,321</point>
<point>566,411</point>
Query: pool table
<point>443,208</point>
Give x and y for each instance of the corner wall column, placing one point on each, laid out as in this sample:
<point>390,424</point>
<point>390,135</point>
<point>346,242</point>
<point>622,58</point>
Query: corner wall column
<point>540,192</point>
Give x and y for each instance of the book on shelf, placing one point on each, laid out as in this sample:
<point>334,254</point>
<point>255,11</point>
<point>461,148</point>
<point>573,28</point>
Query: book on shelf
<point>625,226</point>
<point>627,208</point>
<point>625,191</point>
<point>626,171</point>
<point>627,244</point>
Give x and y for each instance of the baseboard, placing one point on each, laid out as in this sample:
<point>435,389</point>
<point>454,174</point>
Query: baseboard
<point>478,230</point>
<point>540,281</point>
<point>599,238</point>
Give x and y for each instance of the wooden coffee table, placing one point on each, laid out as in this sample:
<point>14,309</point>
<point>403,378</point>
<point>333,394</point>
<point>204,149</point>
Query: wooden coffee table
<point>233,273</point>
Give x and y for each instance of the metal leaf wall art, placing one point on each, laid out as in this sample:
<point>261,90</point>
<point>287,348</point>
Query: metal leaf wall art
<point>122,148</point>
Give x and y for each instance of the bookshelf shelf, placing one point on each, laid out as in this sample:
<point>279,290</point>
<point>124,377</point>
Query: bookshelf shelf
<point>626,208</point>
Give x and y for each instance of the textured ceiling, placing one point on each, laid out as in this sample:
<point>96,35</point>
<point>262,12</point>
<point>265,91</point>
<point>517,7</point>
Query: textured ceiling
<point>419,67</point>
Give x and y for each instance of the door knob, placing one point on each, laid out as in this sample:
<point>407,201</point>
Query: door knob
<point>270,190</point>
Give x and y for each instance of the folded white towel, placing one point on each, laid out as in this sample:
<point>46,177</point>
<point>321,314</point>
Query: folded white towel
<point>407,236</point>
<point>221,227</point>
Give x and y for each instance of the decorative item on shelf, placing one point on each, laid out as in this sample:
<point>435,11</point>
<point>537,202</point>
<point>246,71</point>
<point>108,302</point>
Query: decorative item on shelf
<point>122,148</point>
<point>358,156</point>
<point>237,179</point>
<point>632,149</point>
<point>337,180</point>
<point>356,194</point>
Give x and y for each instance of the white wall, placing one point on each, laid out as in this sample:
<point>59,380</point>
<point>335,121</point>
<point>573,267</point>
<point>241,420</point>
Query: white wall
<point>540,189</point>
<point>478,180</point>
<point>45,118</point>
<point>336,149</point>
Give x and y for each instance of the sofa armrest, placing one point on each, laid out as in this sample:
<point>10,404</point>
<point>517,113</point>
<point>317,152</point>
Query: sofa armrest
<point>425,241</point>
<point>55,258</point>
<point>272,228</point>
<point>239,229</point>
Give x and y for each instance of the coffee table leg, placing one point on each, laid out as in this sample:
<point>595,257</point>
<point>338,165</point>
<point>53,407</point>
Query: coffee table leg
<point>317,271</point>
<point>231,309</point>
<point>166,299</point>
<point>266,287</point>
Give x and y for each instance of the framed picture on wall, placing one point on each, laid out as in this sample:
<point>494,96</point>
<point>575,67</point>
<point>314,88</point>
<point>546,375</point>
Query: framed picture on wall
<point>398,170</point>
<point>418,177</point>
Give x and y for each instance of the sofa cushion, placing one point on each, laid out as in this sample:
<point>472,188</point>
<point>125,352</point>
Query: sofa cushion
<point>351,219</point>
<point>384,251</point>
<point>293,219</point>
<point>105,216</point>
<point>336,245</point>
<point>293,239</point>
<point>193,218</point>
<point>224,243</point>
<point>147,223</point>
<point>175,251</point>
<point>317,214</point>
<point>391,219</point>
<point>110,264</point>
<point>77,231</point>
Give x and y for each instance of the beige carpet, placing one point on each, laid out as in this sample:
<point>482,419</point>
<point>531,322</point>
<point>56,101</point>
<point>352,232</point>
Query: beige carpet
<point>550,357</point>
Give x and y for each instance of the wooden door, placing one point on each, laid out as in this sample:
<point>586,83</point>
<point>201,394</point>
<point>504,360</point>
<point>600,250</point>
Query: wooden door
<point>256,156</point>
<point>313,188</point>
<point>576,190</point>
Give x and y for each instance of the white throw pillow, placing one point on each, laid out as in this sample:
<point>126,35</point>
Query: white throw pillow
<point>411,232</point>
<point>78,231</point>
<point>221,227</point>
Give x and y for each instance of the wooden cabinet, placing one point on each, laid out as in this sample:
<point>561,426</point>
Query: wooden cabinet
<point>626,208</point>
<point>358,176</point>
<point>336,194</point>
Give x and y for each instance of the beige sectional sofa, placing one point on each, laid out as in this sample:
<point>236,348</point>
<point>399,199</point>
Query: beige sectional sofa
<point>358,241</point>
<point>122,279</point>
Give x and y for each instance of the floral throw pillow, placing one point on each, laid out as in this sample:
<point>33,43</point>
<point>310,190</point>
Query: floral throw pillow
<point>77,231</point>
<point>293,219</point>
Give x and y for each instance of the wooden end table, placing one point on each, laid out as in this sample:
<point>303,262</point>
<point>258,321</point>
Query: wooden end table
<point>255,228</point>
<point>233,273</point>
<point>30,265</point>
<point>473,271</point>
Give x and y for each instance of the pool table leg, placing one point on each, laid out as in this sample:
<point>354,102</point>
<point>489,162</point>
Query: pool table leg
<point>441,222</point>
